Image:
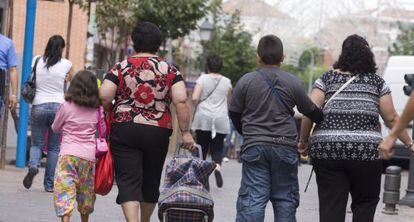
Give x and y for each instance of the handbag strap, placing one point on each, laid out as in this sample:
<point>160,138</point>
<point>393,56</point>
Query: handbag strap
<point>99,122</point>
<point>35,67</point>
<point>275,92</point>
<point>340,89</point>
<point>212,91</point>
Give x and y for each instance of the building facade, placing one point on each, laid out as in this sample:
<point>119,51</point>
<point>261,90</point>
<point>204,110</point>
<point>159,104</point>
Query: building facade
<point>379,27</point>
<point>52,19</point>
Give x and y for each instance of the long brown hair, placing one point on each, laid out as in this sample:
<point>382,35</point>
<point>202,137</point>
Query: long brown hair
<point>83,90</point>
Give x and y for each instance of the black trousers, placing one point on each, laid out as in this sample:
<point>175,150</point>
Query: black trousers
<point>215,146</point>
<point>337,178</point>
<point>139,153</point>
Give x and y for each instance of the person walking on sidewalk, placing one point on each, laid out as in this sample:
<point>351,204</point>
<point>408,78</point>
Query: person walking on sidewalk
<point>143,87</point>
<point>211,119</point>
<point>344,147</point>
<point>51,72</point>
<point>78,119</point>
<point>262,111</point>
<point>8,64</point>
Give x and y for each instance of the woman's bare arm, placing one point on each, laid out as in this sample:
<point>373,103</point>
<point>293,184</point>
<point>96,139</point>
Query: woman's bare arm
<point>179,98</point>
<point>398,124</point>
<point>107,94</point>
<point>390,117</point>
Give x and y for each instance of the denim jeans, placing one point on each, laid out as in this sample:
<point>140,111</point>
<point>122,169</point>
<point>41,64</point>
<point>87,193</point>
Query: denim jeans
<point>42,117</point>
<point>270,172</point>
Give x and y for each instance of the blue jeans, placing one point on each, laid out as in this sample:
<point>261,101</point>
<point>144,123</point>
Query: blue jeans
<point>42,117</point>
<point>270,172</point>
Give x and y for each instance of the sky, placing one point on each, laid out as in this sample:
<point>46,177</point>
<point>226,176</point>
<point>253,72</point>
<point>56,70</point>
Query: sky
<point>312,14</point>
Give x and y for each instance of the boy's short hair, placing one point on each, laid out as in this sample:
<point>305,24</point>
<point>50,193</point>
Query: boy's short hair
<point>214,63</point>
<point>270,50</point>
<point>147,37</point>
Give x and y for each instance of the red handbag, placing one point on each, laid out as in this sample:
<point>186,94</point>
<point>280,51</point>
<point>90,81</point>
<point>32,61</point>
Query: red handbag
<point>104,174</point>
<point>104,171</point>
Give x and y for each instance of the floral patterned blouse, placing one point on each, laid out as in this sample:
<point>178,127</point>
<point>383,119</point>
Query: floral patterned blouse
<point>144,90</point>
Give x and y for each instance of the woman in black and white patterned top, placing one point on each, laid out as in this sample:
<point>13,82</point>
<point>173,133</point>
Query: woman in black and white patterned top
<point>344,147</point>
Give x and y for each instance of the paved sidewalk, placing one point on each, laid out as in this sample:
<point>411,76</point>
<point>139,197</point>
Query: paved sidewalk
<point>20,205</point>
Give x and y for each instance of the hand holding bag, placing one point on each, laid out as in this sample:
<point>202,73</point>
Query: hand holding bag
<point>29,88</point>
<point>104,172</point>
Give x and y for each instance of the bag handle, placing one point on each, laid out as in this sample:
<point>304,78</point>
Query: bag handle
<point>35,67</point>
<point>340,89</point>
<point>99,123</point>
<point>212,91</point>
<point>274,91</point>
<point>199,150</point>
<point>200,101</point>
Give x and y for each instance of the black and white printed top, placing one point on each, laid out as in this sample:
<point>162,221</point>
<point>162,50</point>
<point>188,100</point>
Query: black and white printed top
<point>351,129</point>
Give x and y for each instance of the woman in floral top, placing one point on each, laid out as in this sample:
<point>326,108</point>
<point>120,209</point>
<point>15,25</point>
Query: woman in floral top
<point>143,87</point>
<point>344,146</point>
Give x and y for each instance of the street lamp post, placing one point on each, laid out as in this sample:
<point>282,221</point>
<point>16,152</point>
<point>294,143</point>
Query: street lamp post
<point>206,29</point>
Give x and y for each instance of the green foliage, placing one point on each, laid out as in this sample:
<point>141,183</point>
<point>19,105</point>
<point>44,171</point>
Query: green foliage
<point>115,14</point>
<point>175,18</point>
<point>116,19</point>
<point>304,67</point>
<point>306,74</point>
<point>404,44</point>
<point>305,58</point>
<point>291,69</point>
<point>234,45</point>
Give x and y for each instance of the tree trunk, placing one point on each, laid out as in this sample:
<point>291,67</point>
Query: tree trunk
<point>69,31</point>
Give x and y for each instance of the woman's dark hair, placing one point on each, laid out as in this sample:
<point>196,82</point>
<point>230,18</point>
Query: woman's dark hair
<point>214,63</point>
<point>270,50</point>
<point>53,51</point>
<point>83,90</point>
<point>356,56</point>
<point>147,37</point>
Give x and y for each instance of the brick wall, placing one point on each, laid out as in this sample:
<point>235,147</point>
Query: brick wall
<point>51,19</point>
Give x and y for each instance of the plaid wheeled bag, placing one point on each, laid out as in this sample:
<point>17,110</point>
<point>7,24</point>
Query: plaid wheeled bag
<point>184,195</point>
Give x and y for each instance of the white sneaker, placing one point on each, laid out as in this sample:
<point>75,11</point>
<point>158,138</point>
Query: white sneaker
<point>225,159</point>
